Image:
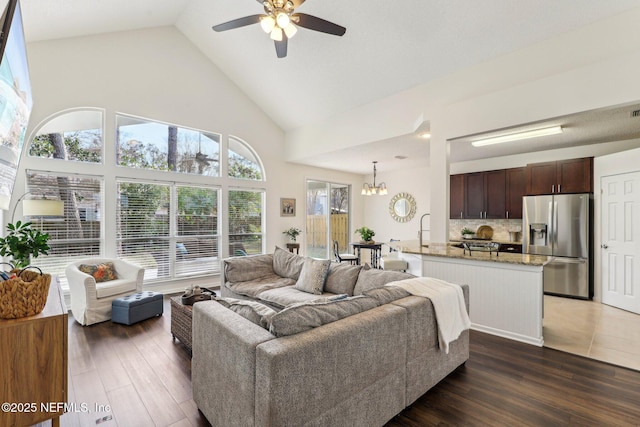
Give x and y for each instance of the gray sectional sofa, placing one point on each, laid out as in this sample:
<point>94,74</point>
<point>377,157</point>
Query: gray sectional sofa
<point>277,351</point>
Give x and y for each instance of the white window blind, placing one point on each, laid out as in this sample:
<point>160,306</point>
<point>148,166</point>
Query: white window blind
<point>245,222</point>
<point>197,233</point>
<point>170,229</point>
<point>78,234</point>
<point>142,224</point>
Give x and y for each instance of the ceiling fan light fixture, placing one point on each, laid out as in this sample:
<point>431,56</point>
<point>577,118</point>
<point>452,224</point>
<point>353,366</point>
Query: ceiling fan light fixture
<point>290,30</point>
<point>553,130</point>
<point>282,19</point>
<point>267,23</point>
<point>276,34</point>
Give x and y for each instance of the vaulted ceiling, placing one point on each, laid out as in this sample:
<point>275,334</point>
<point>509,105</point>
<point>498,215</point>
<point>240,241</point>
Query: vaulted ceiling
<point>389,46</point>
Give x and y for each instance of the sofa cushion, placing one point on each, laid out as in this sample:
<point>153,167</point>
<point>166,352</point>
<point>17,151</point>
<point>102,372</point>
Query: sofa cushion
<point>115,287</point>
<point>252,288</point>
<point>302,317</point>
<point>102,272</point>
<point>288,295</point>
<point>313,275</point>
<point>373,278</point>
<point>287,264</point>
<point>242,269</point>
<point>250,310</point>
<point>342,278</point>
<point>386,294</point>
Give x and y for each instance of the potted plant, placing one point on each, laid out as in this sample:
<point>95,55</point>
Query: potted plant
<point>23,242</point>
<point>366,234</point>
<point>23,292</point>
<point>292,233</point>
<point>467,233</point>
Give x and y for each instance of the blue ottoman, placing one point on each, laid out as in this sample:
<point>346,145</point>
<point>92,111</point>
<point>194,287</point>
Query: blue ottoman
<point>136,307</point>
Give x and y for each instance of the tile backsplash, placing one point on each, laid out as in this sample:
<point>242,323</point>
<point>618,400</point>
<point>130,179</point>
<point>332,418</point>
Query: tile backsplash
<point>501,227</point>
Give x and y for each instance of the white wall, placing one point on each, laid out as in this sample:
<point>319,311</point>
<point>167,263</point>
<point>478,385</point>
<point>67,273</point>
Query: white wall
<point>376,208</point>
<point>158,74</point>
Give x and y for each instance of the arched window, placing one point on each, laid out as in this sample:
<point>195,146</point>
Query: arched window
<point>243,161</point>
<point>121,203</point>
<point>75,135</point>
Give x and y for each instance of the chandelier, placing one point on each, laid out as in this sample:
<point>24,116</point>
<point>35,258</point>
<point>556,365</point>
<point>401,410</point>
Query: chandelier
<point>369,189</point>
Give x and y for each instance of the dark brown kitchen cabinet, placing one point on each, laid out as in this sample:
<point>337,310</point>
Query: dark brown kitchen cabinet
<point>516,187</point>
<point>562,176</point>
<point>484,194</point>
<point>456,196</point>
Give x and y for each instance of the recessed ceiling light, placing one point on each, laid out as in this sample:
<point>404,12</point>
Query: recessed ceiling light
<point>425,135</point>
<point>401,157</point>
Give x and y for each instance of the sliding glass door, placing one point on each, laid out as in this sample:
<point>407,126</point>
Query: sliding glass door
<point>327,218</point>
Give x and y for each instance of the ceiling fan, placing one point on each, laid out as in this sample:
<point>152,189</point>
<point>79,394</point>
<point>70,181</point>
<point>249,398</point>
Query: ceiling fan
<point>280,22</point>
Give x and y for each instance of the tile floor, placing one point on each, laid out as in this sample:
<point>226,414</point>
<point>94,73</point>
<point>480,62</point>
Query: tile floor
<point>592,329</point>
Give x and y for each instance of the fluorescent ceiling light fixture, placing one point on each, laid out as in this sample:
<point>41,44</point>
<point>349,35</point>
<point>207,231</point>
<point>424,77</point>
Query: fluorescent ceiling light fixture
<point>554,130</point>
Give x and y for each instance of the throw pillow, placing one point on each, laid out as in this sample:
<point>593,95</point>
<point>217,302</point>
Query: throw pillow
<point>313,275</point>
<point>342,278</point>
<point>287,264</point>
<point>101,272</point>
<point>253,311</point>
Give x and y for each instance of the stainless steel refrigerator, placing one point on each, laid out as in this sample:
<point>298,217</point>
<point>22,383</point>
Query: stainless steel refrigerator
<point>560,226</point>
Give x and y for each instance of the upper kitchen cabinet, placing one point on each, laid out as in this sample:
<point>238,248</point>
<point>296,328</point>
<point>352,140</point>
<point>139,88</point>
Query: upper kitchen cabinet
<point>562,176</point>
<point>516,187</point>
<point>456,196</point>
<point>484,194</point>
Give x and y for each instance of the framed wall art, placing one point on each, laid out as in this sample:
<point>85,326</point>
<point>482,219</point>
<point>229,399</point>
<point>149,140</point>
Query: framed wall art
<point>287,207</point>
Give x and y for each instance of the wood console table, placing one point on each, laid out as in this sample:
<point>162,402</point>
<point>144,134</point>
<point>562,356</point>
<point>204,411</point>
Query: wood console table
<point>33,375</point>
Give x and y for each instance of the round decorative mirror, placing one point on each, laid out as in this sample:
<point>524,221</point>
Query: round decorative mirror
<point>402,207</point>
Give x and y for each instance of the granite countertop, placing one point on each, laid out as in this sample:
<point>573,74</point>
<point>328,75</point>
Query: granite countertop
<point>506,242</point>
<point>446,250</point>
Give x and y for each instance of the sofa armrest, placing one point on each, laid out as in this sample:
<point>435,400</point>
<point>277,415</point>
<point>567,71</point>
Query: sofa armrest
<point>223,368</point>
<point>333,373</point>
<point>246,268</point>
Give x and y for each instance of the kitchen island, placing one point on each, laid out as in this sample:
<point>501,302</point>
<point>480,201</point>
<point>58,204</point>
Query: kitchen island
<point>505,289</point>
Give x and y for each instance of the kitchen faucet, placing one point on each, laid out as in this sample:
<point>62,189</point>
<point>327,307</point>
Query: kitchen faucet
<point>421,228</point>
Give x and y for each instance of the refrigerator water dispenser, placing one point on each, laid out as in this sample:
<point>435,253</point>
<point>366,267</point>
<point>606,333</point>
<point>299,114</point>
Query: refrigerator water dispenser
<point>538,234</point>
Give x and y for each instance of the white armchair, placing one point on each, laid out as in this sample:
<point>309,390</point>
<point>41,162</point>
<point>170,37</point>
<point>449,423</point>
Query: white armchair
<point>91,301</point>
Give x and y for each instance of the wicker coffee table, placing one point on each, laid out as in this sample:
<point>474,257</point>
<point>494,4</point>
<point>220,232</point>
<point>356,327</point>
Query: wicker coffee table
<point>181,321</point>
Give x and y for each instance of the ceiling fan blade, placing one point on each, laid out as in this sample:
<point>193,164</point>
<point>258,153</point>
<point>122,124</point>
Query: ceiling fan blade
<point>237,23</point>
<point>281,46</point>
<point>318,24</point>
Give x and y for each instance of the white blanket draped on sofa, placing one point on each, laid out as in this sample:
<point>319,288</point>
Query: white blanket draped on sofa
<point>448,303</point>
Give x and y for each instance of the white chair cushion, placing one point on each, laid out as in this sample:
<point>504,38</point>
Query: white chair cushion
<point>115,287</point>
<point>393,263</point>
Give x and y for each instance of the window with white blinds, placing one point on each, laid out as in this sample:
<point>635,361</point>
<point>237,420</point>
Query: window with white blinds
<point>78,235</point>
<point>197,234</point>
<point>170,228</point>
<point>246,210</point>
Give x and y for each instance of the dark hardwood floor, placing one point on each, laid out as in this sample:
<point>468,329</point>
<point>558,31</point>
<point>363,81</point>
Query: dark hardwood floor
<point>138,376</point>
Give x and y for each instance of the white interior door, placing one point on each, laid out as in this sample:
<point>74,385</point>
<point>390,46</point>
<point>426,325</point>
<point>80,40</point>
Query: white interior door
<point>621,241</point>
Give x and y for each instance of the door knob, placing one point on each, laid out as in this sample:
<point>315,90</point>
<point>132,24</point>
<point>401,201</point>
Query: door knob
<point>604,246</point>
